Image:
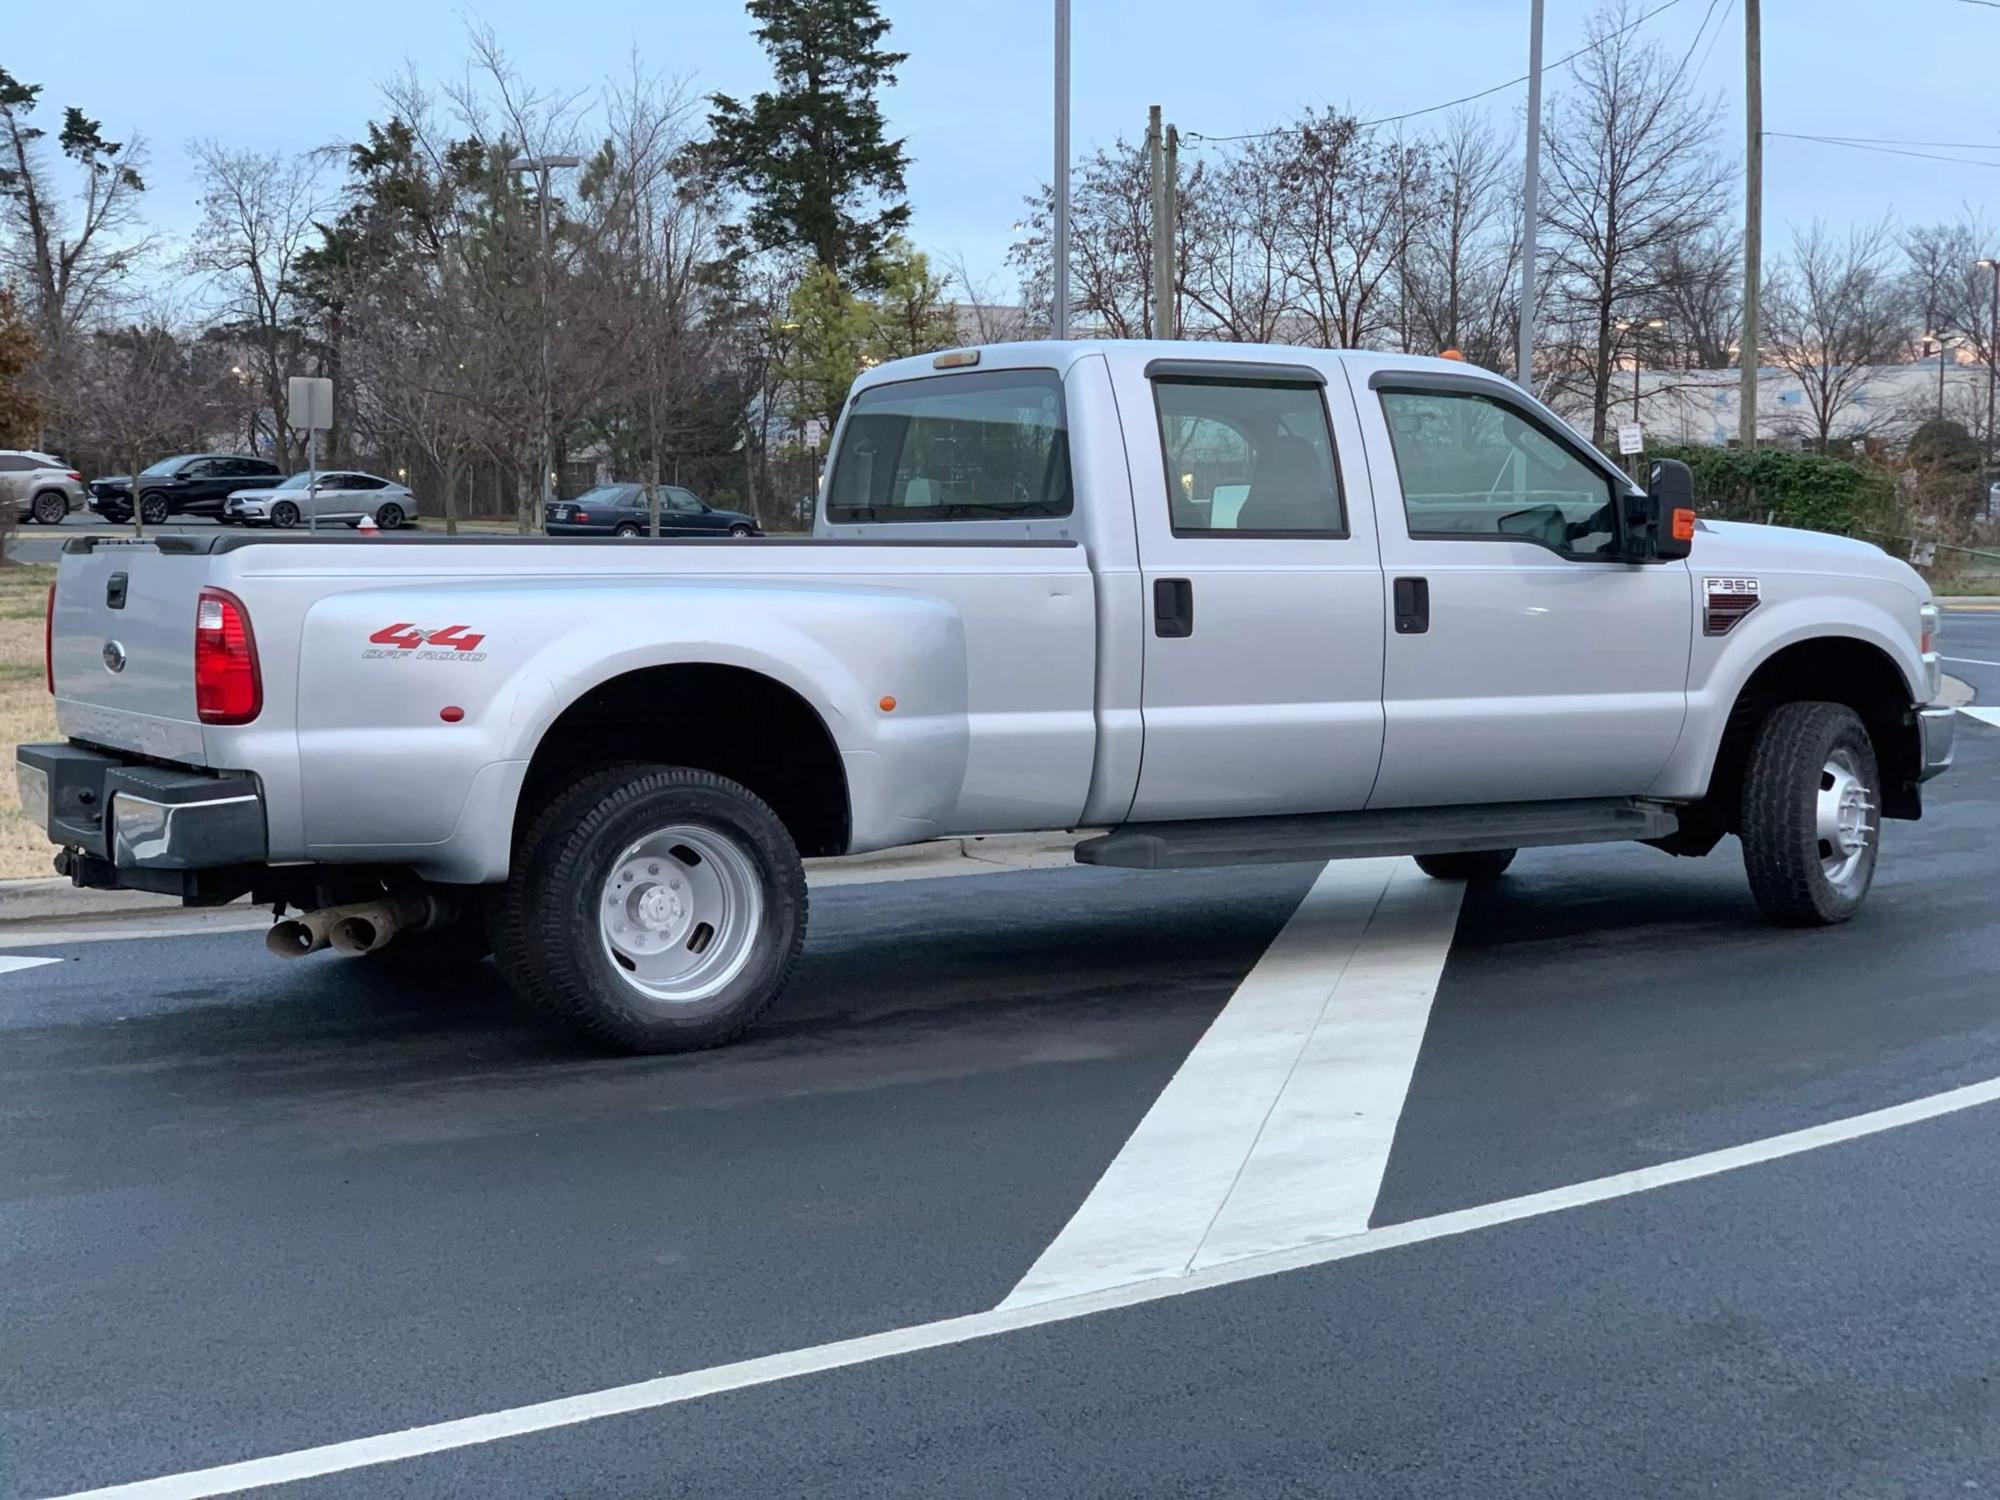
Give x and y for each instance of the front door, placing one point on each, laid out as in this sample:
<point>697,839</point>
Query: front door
<point>1262,592</point>
<point>1526,661</point>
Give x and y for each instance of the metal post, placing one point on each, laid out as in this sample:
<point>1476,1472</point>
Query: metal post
<point>548,439</point>
<point>1753,215</point>
<point>1524,366</point>
<point>1059,320</point>
<point>312,477</point>
<point>1170,241</point>
<point>1638,348</point>
<point>1992,358</point>
<point>1156,184</point>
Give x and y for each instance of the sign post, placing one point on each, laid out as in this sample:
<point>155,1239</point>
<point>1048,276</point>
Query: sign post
<point>1631,443</point>
<point>311,408</point>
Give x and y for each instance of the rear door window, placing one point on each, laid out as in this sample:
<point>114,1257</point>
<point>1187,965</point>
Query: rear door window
<point>989,445</point>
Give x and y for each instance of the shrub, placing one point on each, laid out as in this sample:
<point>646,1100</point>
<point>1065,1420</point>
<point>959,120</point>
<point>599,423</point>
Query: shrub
<point>1787,488</point>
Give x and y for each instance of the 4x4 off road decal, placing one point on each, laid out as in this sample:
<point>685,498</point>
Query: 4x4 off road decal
<point>405,642</point>
<point>1724,602</point>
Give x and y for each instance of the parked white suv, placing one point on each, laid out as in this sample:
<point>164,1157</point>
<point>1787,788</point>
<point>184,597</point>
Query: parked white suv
<point>40,487</point>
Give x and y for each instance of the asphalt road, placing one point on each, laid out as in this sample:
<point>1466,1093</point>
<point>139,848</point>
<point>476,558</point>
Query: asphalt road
<point>1970,645</point>
<point>248,1208</point>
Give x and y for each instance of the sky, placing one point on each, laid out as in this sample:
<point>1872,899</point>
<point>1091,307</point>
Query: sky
<point>973,102</point>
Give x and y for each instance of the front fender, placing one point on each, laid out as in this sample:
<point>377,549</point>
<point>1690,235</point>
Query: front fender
<point>1720,666</point>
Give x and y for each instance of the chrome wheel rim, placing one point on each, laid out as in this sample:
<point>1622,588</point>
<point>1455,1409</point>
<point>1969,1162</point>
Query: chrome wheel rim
<point>679,913</point>
<point>50,510</point>
<point>1844,821</point>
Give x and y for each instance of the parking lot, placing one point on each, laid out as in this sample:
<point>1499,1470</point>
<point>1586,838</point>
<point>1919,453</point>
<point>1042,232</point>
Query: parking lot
<point>1248,1181</point>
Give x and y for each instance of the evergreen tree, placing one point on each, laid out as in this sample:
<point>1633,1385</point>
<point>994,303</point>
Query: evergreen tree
<point>811,157</point>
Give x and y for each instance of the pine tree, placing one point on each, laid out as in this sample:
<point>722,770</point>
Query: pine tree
<point>812,157</point>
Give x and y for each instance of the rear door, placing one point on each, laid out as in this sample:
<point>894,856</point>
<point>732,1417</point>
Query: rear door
<point>1264,625</point>
<point>1526,660</point>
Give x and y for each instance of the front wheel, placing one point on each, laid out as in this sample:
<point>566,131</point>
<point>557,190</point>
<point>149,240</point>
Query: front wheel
<point>154,510</point>
<point>285,514</point>
<point>1480,864</point>
<point>654,908</point>
<point>1811,800</point>
<point>739,529</point>
<point>51,508</point>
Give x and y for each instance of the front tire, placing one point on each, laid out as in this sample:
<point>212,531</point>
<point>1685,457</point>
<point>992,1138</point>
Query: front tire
<point>50,508</point>
<point>1811,819</point>
<point>1479,864</point>
<point>739,530</point>
<point>154,510</point>
<point>284,515</point>
<point>653,908</point>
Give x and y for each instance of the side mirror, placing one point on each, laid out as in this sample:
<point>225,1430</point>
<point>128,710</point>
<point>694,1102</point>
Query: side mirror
<point>1660,524</point>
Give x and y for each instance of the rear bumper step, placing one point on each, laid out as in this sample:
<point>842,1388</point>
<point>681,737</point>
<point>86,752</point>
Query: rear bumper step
<point>132,816</point>
<point>1363,835</point>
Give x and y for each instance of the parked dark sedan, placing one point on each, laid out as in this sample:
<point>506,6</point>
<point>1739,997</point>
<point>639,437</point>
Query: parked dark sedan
<point>192,484</point>
<point>620,510</point>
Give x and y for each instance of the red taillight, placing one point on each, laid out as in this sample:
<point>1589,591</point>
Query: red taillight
<point>76,476</point>
<point>227,686</point>
<point>582,515</point>
<point>49,639</point>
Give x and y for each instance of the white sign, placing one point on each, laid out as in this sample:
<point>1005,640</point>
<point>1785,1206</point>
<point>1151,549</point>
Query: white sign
<point>1631,439</point>
<point>311,403</point>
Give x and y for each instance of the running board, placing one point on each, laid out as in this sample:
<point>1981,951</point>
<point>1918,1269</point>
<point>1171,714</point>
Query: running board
<point>1362,835</point>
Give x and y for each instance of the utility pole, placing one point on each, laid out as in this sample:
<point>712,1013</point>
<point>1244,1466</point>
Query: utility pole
<point>1524,358</point>
<point>1059,321</point>
<point>1156,181</point>
<point>1753,216</point>
<point>1170,240</point>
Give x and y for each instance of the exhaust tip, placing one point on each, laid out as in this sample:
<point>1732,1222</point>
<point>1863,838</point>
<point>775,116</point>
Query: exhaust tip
<point>356,935</point>
<point>293,939</point>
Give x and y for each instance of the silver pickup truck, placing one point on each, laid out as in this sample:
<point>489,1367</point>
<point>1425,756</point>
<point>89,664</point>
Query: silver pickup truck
<point>1229,604</point>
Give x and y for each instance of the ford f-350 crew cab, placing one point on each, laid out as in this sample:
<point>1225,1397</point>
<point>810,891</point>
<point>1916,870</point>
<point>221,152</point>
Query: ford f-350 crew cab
<point>1231,604</point>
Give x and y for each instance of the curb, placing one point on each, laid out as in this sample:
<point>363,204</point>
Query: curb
<point>56,900</point>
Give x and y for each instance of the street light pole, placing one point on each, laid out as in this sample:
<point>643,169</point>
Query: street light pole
<point>542,166</point>
<point>1059,313</point>
<point>1524,356</point>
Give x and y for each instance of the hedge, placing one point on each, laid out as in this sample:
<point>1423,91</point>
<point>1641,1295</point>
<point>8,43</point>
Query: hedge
<point>1786,487</point>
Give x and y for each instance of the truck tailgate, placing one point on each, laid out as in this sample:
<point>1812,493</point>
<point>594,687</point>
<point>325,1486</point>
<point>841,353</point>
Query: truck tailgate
<point>124,648</point>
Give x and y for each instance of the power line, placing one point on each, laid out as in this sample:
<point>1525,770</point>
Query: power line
<point>1431,109</point>
<point>1890,140</point>
<point>1830,140</point>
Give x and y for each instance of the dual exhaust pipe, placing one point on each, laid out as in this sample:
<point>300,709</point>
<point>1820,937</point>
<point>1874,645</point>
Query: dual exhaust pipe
<point>361,927</point>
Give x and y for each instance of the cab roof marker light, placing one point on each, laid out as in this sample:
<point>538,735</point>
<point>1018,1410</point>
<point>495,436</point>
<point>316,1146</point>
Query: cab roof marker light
<point>958,359</point>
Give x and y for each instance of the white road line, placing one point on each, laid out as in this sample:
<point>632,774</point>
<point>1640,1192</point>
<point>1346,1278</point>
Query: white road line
<point>13,965</point>
<point>1990,716</point>
<point>1280,1119</point>
<point>1970,661</point>
<point>673,1390</point>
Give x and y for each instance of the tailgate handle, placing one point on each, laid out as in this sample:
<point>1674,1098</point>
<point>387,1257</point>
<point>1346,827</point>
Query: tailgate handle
<point>114,591</point>
<point>1413,606</point>
<point>1173,607</point>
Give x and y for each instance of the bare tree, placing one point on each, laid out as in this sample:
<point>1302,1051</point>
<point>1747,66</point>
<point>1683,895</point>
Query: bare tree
<point>1461,261</point>
<point>1345,199</point>
<point>1628,167</point>
<point>1700,279</point>
<point>1110,231</point>
<point>259,215</point>
<point>70,245</point>
<point>1835,307</point>
<point>1234,258</point>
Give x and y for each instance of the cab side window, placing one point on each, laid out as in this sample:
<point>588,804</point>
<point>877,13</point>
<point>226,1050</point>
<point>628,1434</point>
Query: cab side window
<point>1475,469</point>
<point>1248,458</point>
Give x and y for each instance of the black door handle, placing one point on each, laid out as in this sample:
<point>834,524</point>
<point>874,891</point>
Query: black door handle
<point>1173,607</point>
<point>1413,606</point>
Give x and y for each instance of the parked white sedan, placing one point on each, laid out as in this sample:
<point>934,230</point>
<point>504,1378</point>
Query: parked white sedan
<point>337,495</point>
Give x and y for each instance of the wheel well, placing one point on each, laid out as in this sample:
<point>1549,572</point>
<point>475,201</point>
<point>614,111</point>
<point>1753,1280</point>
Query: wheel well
<point>1829,669</point>
<point>734,722</point>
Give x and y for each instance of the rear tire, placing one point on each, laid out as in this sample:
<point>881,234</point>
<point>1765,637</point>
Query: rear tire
<point>626,528</point>
<point>390,516</point>
<point>1811,814</point>
<point>653,908</point>
<point>1480,864</point>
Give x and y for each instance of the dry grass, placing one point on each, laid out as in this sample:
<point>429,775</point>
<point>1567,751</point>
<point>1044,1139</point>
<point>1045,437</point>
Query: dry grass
<point>26,710</point>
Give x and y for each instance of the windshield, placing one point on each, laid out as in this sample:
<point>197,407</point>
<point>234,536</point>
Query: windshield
<point>297,482</point>
<point>164,466</point>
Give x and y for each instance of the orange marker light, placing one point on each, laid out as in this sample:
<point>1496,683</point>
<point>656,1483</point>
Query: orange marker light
<point>1683,525</point>
<point>887,705</point>
<point>1451,354</point>
<point>451,713</point>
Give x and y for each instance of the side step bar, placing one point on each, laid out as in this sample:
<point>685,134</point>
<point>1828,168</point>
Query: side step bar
<point>1362,835</point>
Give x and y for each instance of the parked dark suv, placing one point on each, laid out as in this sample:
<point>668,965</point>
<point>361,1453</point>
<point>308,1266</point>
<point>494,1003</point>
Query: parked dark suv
<point>194,484</point>
<point>620,510</point>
